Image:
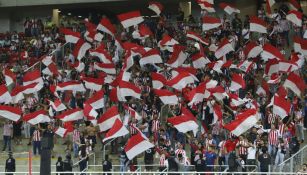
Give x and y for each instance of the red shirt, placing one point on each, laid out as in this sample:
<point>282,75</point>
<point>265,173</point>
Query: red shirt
<point>230,145</point>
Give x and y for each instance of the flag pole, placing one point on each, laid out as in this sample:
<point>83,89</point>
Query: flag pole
<point>30,162</point>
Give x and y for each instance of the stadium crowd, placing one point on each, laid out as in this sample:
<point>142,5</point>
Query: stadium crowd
<point>197,80</point>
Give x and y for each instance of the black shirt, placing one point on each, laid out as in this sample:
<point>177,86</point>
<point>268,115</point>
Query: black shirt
<point>149,155</point>
<point>265,161</point>
<point>10,165</point>
<point>106,165</point>
<point>59,166</point>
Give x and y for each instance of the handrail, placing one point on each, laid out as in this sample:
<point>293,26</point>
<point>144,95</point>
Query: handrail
<point>299,151</point>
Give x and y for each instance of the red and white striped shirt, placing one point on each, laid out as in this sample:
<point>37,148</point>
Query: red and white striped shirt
<point>281,129</point>
<point>155,126</point>
<point>272,118</point>
<point>36,136</point>
<point>242,148</point>
<point>180,151</point>
<point>273,137</point>
<point>76,136</point>
<point>222,148</point>
<point>133,129</point>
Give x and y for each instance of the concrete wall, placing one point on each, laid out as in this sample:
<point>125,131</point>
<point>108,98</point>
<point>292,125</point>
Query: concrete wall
<point>4,21</point>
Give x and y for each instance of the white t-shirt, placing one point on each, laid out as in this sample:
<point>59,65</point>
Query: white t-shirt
<point>251,153</point>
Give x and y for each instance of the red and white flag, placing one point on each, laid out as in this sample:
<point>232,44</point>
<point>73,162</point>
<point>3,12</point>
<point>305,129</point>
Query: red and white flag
<point>167,43</point>
<point>5,96</point>
<point>51,70</point>
<point>197,94</point>
<point>178,56</point>
<point>237,82</point>
<point>218,92</point>
<point>11,113</point>
<point>61,132</point>
<point>70,85</point>
<point>71,115</point>
<point>9,76</point>
<point>228,8</point>
<point>245,65</point>
<point>94,84</point>
<point>183,123</point>
<point>281,107</point>
<point>269,4</point>
<point>209,1</point>
<point>108,68</point>
<point>32,77</point>
<point>199,60</point>
<point>210,23</point>
<point>151,57</point>
<point>271,52</point>
<point>300,45</point>
<point>207,6</point>
<point>167,97</point>
<point>295,83</point>
<point>128,89</point>
<point>128,60</point>
<point>196,37</point>
<point>137,144</point>
<point>36,117</point>
<point>217,113</point>
<point>156,7</point>
<point>158,80</point>
<point>145,31</point>
<point>79,66</point>
<point>286,66</point>
<point>182,80</point>
<point>264,89</point>
<point>243,122</point>
<point>117,130</point>
<point>70,36</point>
<point>130,19</point>
<point>102,54</point>
<point>298,59</point>
<point>271,67</point>
<point>252,50</point>
<point>80,49</point>
<point>294,4</point>
<point>97,100</point>
<point>257,25</point>
<point>295,17</point>
<point>132,112</point>
<point>47,60</point>
<point>224,48</point>
<point>106,26</point>
<point>18,91</point>
<point>57,105</point>
<point>106,120</point>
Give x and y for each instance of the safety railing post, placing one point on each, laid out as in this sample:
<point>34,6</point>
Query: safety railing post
<point>291,165</point>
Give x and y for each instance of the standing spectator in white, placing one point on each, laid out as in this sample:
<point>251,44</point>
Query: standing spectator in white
<point>7,135</point>
<point>36,139</point>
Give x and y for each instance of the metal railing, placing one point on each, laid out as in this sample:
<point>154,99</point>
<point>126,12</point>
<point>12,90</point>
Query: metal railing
<point>293,163</point>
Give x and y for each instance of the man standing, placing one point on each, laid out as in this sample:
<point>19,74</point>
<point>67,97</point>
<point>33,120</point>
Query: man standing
<point>7,135</point>
<point>10,164</point>
<point>107,165</point>
<point>47,147</point>
<point>265,160</point>
<point>76,140</point>
<point>36,138</point>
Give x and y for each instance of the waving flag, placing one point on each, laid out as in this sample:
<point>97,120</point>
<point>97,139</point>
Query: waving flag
<point>80,49</point>
<point>243,122</point>
<point>245,65</point>
<point>217,113</point>
<point>224,48</point>
<point>295,83</point>
<point>9,76</point>
<point>281,107</point>
<point>166,96</point>
<point>144,31</point>
<point>294,4</point>
<point>206,6</point>
<point>37,117</point>
<point>51,70</point>
<point>183,123</point>
<point>102,54</point>
<point>107,120</point>
<point>237,82</point>
<point>257,25</point>
<point>128,89</point>
<point>271,52</point>
<point>71,115</point>
<point>295,17</point>
<point>130,19</point>
<point>210,23</point>
<point>137,144</point>
<point>199,60</point>
<point>156,7</point>
<point>32,77</point>
<point>5,96</point>
<point>178,57</point>
<point>70,36</point>
<point>196,37</point>
<point>269,4</point>
<point>18,91</point>
<point>107,68</point>
<point>158,80</point>
<point>61,132</point>
<point>57,105</point>
<point>93,83</point>
<point>182,80</point>
<point>228,8</point>
<point>117,130</point>
<point>70,85</point>
<point>271,67</point>
<point>263,89</point>
<point>300,45</point>
<point>151,57</point>
<point>132,112</point>
<point>47,60</point>
<point>97,100</point>
<point>167,43</point>
<point>197,94</point>
<point>11,113</point>
<point>252,50</point>
<point>106,26</point>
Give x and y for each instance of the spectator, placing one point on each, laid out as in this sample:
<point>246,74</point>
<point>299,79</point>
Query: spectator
<point>264,160</point>
<point>59,165</point>
<point>68,164</point>
<point>10,165</point>
<point>7,135</point>
<point>107,165</point>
